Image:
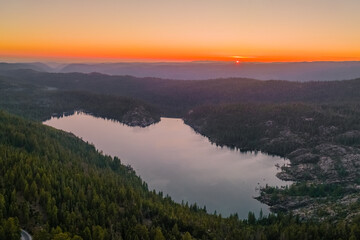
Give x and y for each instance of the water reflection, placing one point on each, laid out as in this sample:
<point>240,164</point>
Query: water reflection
<point>172,158</point>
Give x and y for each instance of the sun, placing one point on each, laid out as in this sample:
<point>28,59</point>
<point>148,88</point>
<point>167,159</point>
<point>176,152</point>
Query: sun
<point>237,62</point>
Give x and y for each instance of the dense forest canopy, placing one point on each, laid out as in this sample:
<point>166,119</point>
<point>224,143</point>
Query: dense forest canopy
<point>253,125</point>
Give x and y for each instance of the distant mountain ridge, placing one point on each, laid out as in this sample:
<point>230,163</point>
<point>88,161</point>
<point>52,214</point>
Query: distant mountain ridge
<point>297,71</point>
<point>291,71</point>
<point>36,66</point>
<point>176,97</point>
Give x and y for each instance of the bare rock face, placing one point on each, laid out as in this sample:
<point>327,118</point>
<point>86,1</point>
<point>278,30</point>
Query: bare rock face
<point>326,164</point>
<point>327,131</point>
<point>351,134</point>
<point>302,171</point>
<point>138,116</point>
<point>328,149</point>
<point>327,161</point>
<point>287,139</point>
<point>285,176</point>
<point>299,152</point>
<point>305,158</point>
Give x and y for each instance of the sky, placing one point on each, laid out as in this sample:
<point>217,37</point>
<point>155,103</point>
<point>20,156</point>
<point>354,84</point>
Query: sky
<point>180,30</point>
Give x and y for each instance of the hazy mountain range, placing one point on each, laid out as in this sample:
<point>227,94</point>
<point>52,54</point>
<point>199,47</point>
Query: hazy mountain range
<point>300,71</point>
<point>175,97</point>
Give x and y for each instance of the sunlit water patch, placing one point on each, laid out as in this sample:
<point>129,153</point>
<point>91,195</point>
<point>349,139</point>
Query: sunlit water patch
<point>172,158</point>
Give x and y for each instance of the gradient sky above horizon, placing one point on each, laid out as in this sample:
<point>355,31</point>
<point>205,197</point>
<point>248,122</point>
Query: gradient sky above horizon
<point>184,30</point>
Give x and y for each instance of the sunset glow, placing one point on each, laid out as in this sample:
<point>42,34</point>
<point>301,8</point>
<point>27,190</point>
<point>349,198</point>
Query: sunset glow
<point>112,30</point>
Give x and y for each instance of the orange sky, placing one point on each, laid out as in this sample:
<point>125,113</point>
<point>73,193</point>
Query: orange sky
<point>133,30</point>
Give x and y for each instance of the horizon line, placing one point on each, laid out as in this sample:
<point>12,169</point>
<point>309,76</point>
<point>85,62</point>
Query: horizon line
<point>90,61</point>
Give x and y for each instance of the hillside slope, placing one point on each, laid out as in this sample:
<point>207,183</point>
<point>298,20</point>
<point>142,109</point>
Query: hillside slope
<point>176,97</point>
<point>59,187</point>
<point>41,103</point>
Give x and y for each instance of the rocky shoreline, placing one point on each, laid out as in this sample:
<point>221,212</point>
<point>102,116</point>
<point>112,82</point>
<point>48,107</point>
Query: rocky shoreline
<point>326,163</point>
<point>138,117</point>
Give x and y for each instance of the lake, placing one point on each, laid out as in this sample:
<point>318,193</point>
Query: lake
<point>171,157</point>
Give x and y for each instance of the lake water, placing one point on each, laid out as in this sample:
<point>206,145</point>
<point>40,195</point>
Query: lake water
<point>171,157</point>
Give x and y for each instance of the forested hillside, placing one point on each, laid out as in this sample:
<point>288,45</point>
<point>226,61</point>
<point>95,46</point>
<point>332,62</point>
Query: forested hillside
<point>176,97</point>
<point>40,103</point>
<point>252,126</point>
<point>59,187</point>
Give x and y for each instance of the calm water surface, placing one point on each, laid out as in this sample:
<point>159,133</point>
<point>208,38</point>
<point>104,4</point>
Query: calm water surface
<point>174,159</point>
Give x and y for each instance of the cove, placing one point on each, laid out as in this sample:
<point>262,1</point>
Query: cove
<point>171,157</point>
